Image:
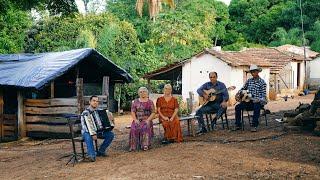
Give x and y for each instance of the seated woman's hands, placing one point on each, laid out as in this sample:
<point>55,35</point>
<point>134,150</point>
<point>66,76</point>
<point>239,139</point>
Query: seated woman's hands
<point>137,121</point>
<point>166,118</point>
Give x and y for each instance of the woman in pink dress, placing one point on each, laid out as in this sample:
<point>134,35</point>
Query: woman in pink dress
<point>142,113</point>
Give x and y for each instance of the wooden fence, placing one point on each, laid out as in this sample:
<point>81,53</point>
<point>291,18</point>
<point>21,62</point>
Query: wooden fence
<point>46,117</point>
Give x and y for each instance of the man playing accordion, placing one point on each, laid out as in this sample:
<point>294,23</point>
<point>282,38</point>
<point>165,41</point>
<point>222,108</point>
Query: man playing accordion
<point>92,126</point>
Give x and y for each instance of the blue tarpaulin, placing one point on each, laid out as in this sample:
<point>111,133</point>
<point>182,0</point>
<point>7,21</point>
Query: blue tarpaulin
<point>35,70</point>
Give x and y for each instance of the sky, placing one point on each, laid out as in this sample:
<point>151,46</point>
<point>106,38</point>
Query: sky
<point>227,2</point>
<point>80,5</point>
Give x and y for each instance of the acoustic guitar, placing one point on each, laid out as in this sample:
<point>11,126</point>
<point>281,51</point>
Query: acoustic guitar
<point>245,96</point>
<point>212,95</point>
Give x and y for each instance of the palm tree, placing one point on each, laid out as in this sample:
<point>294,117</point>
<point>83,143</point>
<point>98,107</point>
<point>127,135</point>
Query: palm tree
<point>154,7</point>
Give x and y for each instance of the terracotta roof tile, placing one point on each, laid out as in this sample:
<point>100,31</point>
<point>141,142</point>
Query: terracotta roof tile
<point>263,57</point>
<point>296,50</point>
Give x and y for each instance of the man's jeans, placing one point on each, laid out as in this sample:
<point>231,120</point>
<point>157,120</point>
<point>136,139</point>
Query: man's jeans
<point>211,107</point>
<point>107,136</point>
<point>250,106</point>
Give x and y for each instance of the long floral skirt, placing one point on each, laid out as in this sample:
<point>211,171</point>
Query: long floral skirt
<point>140,135</point>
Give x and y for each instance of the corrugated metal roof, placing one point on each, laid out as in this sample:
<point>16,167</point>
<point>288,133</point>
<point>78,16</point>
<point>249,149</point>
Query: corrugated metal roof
<point>35,70</point>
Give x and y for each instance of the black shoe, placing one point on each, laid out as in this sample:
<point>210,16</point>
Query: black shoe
<point>99,154</point>
<point>165,142</point>
<point>91,159</point>
<point>236,128</point>
<point>203,130</point>
<point>213,123</point>
<point>254,129</point>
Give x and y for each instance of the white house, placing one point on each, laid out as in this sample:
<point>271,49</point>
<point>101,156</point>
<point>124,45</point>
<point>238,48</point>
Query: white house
<point>231,67</point>
<point>312,63</point>
<point>280,70</point>
<point>191,73</point>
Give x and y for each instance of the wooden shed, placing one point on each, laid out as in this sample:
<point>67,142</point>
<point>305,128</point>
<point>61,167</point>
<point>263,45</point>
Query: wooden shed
<point>36,90</point>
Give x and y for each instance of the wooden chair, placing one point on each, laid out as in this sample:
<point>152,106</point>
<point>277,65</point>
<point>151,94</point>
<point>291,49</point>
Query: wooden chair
<point>75,136</point>
<point>209,120</point>
<point>265,112</point>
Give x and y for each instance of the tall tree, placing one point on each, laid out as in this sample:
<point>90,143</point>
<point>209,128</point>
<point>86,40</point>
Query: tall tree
<point>61,7</point>
<point>314,36</point>
<point>155,6</point>
<point>281,37</point>
<point>14,24</point>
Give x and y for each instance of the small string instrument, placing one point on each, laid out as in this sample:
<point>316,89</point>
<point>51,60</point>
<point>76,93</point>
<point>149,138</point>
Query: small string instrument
<point>245,96</point>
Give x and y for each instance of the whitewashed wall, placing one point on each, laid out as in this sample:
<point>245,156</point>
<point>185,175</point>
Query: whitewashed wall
<point>265,75</point>
<point>314,79</point>
<point>302,75</point>
<point>196,72</point>
<point>315,68</point>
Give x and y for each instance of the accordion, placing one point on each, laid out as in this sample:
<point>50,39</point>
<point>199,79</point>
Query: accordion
<point>98,121</point>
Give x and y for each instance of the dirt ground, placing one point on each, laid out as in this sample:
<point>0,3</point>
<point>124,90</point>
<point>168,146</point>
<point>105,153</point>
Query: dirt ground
<point>269,153</point>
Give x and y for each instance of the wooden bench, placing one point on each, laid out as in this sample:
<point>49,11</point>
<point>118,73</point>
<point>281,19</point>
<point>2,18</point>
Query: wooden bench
<point>190,124</point>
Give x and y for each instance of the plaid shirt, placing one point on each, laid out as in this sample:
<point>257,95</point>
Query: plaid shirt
<point>257,88</point>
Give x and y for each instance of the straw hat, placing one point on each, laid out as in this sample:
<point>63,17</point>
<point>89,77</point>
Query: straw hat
<point>254,67</point>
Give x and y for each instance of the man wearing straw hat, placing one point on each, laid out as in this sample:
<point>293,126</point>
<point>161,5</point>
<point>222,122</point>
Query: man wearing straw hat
<point>256,87</point>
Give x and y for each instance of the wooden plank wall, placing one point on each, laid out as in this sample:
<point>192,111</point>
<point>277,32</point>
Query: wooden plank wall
<point>9,127</point>
<point>45,117</point>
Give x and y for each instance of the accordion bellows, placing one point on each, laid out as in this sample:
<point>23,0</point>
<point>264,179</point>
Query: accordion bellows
<point>98,120</point>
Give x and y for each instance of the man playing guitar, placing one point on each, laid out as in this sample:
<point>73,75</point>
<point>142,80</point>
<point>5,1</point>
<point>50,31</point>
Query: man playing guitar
<point>218,105</point>
<point>256,87</point>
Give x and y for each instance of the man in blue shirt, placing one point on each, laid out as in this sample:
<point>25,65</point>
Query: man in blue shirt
<point>256,87</point>
<point>218,106</point>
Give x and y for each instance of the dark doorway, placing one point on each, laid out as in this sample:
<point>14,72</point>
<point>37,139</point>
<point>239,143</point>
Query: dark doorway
<point>8,114</point>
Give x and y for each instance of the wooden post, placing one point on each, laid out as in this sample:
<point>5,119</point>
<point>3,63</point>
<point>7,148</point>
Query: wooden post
<point>1,115</point>
<point>119,99</point>
<point>79,84</point>
<point>190,103</point>
<point>52,90</point>
<point>105,88</point>
<point>276,83</point>
<point>148,85</point>
<point>21,121</point>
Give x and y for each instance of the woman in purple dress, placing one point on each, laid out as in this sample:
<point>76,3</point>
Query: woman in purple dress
<point>142,113</point>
